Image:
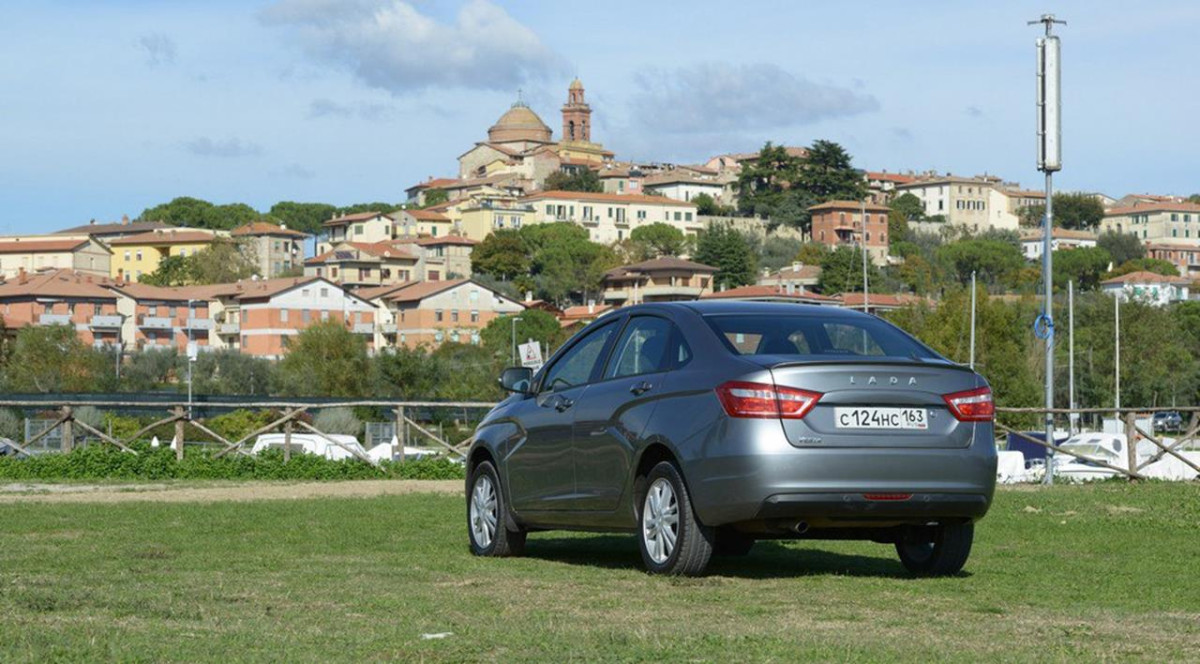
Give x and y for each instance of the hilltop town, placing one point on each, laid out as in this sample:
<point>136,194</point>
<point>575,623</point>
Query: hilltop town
<point>560,224</point>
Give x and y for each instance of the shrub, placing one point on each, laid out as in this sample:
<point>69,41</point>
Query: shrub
<point>338,420</point>
<point>12,425</point>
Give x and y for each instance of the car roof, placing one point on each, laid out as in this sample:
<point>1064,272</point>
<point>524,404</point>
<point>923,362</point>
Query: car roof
<point>706,307</point>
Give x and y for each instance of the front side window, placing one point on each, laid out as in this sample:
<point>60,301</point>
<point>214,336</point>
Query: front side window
<point>642,348</point>
<point>576,366</point>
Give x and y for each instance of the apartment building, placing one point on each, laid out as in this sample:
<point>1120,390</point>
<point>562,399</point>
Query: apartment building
<point>442,257</point>
<point>31,253</point>
<point>363,227</point>
<point>106,232</point>
<point>476,217</point>
<point>1168,221</point>
<point>275,247</point>
<point>684,184</point>
<point>881,185</point>
<point>611,217</point>
<point>359,264</point>
<point>63,297</point>
<point>155,317</point>
<point>1147,287</point>
<point>430,313</point>
<point>422,222</point>
<point>842,224</point>
<point>140,254</point>
<point>664,279</point>
<point>1185,257</point>
<point>978,204</point>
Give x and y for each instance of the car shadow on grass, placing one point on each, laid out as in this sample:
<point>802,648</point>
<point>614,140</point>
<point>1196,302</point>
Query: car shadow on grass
<point>768,559</point>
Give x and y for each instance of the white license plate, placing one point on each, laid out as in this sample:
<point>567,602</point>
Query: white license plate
<point>881,418</point>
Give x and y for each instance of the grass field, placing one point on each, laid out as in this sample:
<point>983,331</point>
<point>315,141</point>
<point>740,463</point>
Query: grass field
<point>1107,572</point>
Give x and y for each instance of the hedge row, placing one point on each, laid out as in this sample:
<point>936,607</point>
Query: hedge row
<point>99,462</point>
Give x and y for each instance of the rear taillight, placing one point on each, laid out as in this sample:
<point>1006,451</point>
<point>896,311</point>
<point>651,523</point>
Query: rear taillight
<point>742,399</point>
<point>972,405</point>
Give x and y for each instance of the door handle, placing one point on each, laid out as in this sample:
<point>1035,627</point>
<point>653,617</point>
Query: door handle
<point>641,387</point>
<point>563,404</point>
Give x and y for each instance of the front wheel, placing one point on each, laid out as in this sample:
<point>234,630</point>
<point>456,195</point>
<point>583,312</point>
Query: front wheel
<point>486,516</point>
<point>671,538</point>
<point>938,551</point>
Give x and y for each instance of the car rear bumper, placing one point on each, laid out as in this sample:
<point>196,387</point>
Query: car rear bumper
<point>761,476</point>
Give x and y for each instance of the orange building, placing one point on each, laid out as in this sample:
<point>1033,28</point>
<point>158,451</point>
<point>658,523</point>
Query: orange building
<point>63,297</point>
<point>430,313</point>
<point>841,224</point>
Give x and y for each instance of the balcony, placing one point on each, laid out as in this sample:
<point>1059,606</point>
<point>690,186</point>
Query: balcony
<point>229,328</point>
<point>106,321</point>
<point>54,319</point>
<point>671,291</point>
<point>388,328</point>
<point>363,328</point>
<point>616,295</point>
<point>199,324</point>
<point>155,322</point>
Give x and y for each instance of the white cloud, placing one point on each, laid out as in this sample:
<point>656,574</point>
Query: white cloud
<point>159,49</point>
<point>719,97</point>
<point>370,112</point>
<point>227,148</point>
<point>391,45</point>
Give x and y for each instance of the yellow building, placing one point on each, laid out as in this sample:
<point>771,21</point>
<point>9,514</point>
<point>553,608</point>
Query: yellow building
<point>476,218</point>
<point>138,255</point>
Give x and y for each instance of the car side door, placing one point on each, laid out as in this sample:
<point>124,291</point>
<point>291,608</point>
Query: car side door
<point>540,467</point>
<point>614,412</point>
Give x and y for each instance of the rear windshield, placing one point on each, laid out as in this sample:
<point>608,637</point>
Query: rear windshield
<point>816,337</point>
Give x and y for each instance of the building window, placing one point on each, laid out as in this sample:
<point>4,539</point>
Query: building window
<point>324,292</point>
<point>306,316</point>
<point>454,316</point>
<point>150,311</point>
<point>139,254</point>
<point>325,314</point>
<point>358,229</point>
<point>474,316</point>
<point>126,256</point>
<point>283,315</point>
<point>677,216</point>
<point>438,315</point>
<point>687,216</point>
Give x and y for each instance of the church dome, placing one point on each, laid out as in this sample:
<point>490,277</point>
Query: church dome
<point>519,123</point>
<point>576,84</point>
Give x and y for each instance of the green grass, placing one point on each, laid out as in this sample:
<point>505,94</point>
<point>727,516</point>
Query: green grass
<point>1089,573</point>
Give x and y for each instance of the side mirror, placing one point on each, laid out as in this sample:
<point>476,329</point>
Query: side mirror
<point>517,379</point>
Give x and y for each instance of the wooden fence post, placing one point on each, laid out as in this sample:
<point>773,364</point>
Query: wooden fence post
<point>1131,436</point>
<point>68,430</point>
<point>400,431</point>
<point>287,441</point>
<point>179,433</point>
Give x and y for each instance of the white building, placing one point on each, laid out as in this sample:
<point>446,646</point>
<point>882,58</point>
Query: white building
<point>1147,287</point>
<point>978,204</point>
<point>611,217</point>
<point>1173,222</point>
<point>1060,238</point>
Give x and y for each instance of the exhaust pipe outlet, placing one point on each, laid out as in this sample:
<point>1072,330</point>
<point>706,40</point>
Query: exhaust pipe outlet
<point>801,527</point>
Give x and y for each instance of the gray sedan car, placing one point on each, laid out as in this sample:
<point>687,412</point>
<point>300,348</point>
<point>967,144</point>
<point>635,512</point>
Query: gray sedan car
<point>705,426</point>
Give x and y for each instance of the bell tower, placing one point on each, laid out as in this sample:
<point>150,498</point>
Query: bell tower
<point>577,115</point>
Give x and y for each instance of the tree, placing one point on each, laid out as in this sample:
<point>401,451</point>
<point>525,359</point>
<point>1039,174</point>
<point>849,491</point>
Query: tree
<point>897,227</point>
<point>659,239</point>
<point>358,208</point>
<point>1154,265</point>
<point>908,206</point>
<point>502,254</point>
<point>228,371</point>
<point>812,253</point>
<point>826,174</point>
<point>535,324</point>
<point>705,204</point>
<point>304,217</point>
<point>564,261</point>
<point>764,183</point>
<point>51,359</point>
<point>1075,211</point>
<point>1123,247</point>
<point>1083,265</point>
<point>197,213</point>
<point>775,251</point>
<point>171,271</point>
<point>722,247</point>
<point>579,179</point>
<point>436,197</point>
<point>326,359</point>
<point>841,272</point>
<point>995,261</point>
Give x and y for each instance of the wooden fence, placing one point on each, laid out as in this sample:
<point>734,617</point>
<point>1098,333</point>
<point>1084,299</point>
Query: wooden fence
<point>1133,433</point>
<point>288,421</point>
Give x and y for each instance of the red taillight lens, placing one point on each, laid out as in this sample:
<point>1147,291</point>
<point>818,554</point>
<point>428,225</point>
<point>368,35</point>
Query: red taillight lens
<point>887,496</point>
<point>742,399</point>
<point>972,405</point>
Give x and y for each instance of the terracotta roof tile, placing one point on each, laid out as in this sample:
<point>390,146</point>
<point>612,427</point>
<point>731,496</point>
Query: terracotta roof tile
<point>58,283</point>
<point>606,198</point>
<point>167,236</point>
<point>40,245</point>
<point>1145,277</point>
<point>266,228</point>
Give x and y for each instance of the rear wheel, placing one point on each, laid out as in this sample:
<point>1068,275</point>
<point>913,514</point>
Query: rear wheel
<point>671,538</point>
<point>937,551</point>
<point>487,522</point>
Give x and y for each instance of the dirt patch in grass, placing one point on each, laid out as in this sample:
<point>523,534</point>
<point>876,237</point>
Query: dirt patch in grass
<point>161,493</point>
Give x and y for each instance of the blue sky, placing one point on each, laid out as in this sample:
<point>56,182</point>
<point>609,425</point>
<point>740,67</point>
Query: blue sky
<point>107,108</point>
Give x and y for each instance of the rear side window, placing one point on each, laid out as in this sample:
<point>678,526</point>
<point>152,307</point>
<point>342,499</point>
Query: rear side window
<point>816,337</point>
<point>643,348</point>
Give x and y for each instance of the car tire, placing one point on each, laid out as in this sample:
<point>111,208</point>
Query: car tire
<point>732,542</point>
<point>940,551</point>
<point>487,516</point>
<point>672,540</point>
